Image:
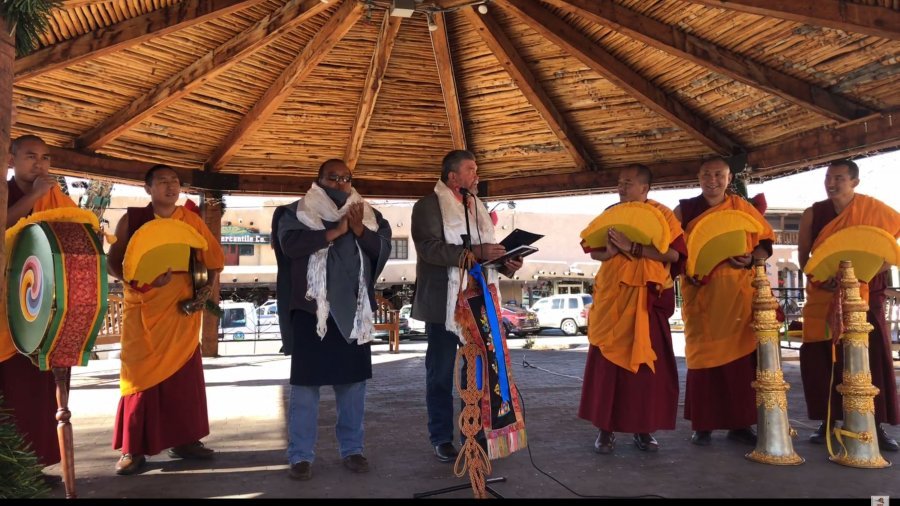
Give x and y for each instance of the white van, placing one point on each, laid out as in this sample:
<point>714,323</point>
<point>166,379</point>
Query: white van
<point>241,321</point>
<point>565,312</point>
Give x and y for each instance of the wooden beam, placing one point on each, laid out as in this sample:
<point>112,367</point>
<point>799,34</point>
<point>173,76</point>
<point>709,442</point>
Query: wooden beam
<point>443,58</point>
<point>311,55</point>
<point>390,27</point>
<point>208,67</point>
<point>125,34</point>
<point>70,162</point>
<point>716,58</point>
<point>852,17</point>
<point>880,132</point>
<point>377,188</point>
<point>580,183</point>
<point>609,66</point>
<point>499,44</point>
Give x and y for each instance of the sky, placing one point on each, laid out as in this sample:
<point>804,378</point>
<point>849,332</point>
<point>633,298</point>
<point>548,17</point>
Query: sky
<point>879,178</point>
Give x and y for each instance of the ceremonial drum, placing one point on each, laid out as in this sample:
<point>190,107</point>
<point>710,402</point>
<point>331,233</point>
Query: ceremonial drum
<point>56,292</point>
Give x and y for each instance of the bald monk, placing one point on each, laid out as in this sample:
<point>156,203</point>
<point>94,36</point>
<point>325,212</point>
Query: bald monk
<point>29,392</point>
<point>845,208</point>
<point>163,403</point>
<point>630,378</point>
<point>720,346</point>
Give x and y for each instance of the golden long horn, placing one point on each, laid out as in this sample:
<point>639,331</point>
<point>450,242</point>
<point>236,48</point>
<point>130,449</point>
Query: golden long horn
<point>773,445</point>
<point>857,437</point>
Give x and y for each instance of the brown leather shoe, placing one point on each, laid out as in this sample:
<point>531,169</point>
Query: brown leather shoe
<point>195,450</point>
<point>301,471</point>
<point>356,463</point>
<point>605,443</point>
<point>130,464</point>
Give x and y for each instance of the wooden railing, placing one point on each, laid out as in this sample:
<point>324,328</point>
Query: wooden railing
<point>111,330</point>
<point>787,237</point>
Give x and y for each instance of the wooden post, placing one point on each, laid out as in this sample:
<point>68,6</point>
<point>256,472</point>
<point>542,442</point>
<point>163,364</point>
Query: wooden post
<point>64,429</point>
<point>7,58</point>
<point>209,334</point>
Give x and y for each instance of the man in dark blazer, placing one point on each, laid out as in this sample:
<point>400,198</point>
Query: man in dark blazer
<point>438,224</point>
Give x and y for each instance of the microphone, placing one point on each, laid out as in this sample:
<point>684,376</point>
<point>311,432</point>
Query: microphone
<point>464,192</point>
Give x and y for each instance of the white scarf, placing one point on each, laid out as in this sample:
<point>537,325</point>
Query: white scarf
<point>454,228</point>
<point>315,207</point>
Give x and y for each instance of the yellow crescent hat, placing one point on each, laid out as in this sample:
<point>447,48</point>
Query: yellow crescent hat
<point>160,245</point>
<point>867,247</point>
<point>641,223</point>
<point>718,236</point>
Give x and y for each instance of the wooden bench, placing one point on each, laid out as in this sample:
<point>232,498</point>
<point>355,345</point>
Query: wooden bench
<point>387,318</point>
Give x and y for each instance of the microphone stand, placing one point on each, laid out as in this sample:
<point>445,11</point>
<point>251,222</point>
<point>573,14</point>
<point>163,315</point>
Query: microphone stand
<point>467,244</point>
<point>467,239</point>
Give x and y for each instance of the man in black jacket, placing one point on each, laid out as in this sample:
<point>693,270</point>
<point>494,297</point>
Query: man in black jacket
<point>330,247</point>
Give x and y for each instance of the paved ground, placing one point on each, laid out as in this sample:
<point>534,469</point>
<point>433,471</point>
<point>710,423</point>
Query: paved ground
<point>247,397</point>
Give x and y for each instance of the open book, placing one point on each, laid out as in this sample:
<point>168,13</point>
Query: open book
<point>517,244</point>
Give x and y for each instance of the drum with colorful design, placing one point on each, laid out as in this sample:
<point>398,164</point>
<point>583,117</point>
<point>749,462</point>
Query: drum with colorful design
<point>57,292</point>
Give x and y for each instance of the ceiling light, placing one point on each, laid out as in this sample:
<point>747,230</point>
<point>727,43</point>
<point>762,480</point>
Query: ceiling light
<point>483,8</point>
<point>403,8</point>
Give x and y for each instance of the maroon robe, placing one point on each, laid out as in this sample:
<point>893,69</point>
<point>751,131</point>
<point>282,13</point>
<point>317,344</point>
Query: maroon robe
<point>172,413</point>
<point>617,400</point>
<point>29,392</point>
<point>815,358</point>
<point>719,397</point>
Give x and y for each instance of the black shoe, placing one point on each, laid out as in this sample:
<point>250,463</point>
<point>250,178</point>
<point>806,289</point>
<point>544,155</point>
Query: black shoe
<point>445,452</point>
<point>646,443</point>
<point>818,437</point>
<point>301,471</point>
<point>51,480</point>
<point>356,463</point>
<point>745,435</point>
<point>605,443</point>
<point>701,437</point>
<point>885,443</point>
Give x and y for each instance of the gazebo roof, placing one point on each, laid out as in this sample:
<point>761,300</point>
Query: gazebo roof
<point>552,96</point>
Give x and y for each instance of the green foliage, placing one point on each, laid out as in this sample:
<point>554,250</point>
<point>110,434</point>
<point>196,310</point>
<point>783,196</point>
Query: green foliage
<point>28,19</point>
<point>20,471</point>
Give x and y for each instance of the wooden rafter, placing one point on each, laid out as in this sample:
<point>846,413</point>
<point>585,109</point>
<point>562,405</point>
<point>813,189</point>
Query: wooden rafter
<point>499,44</point>
<point>880,132</point>
<point>125,34</point>
<point>706,54</point>
<point>390,27</point>
<point>210,65</point>
<point>843,15</point>
<point>440,43</point>
<point>303,65</point>
<point>610,67</point>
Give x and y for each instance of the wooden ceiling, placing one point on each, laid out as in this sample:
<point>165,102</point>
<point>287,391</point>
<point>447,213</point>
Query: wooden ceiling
<point>552,96</point>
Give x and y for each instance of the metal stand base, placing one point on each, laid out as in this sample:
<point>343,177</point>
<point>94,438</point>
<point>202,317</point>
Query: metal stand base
<point>454,488</point>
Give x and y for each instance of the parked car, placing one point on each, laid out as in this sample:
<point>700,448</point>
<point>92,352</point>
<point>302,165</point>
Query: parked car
<point>242,321</point>
<point>565,312</point>
<point>413,326</point>
<point>520,322</point>
<point>268,312</point>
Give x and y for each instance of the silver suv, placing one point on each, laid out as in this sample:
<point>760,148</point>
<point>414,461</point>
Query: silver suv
<point>565,312</point>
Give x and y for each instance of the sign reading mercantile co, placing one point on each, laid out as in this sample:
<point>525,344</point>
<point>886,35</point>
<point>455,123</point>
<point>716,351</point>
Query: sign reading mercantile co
<point>245,239</point>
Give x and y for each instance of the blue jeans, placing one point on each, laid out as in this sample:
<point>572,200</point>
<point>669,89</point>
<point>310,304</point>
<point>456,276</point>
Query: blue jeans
<point>303,420</point>
<point>440,357</point>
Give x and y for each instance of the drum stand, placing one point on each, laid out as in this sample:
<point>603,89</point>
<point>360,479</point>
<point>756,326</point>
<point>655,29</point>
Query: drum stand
<point>64,429</point>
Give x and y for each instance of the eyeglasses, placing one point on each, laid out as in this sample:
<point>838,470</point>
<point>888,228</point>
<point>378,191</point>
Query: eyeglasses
<point>340,179</point>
